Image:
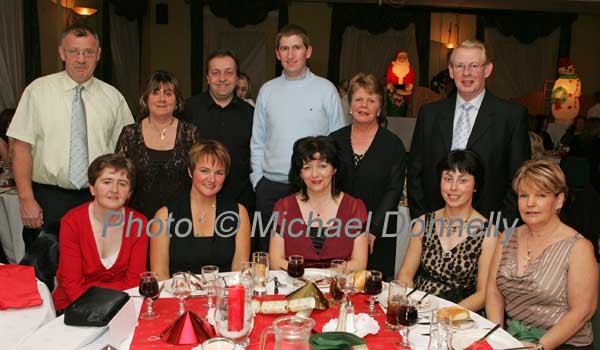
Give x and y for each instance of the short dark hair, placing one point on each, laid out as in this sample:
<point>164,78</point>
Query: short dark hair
<point>292,29</point>
<point>223,53</point>
<point>304,150</point>
<point>158,79</point>
<point>79,30</point>
<point>114,161</point>
<point>211,149</point>
<point>466,162</point>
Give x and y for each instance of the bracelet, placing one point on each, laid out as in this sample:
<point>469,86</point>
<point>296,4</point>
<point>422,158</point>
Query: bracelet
<point>539,346</point>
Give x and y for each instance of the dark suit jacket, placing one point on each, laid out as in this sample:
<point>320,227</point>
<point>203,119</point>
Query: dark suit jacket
<point>499,137</point>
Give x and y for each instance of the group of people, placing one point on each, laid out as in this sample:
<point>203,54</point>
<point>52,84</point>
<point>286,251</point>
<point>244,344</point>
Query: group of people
<point>177,189</point>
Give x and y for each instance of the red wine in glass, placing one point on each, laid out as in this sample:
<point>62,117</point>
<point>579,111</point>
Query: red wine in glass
<point>407,315</point>
<point>295,268</point>
<point>149,288</point>
<point>373,284</point>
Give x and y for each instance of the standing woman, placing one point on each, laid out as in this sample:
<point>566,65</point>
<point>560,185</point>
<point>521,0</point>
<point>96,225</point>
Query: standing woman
<point>374,162</point>
<point>158,145</point>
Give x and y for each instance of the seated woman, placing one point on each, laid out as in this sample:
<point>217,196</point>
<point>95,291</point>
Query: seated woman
<point>450,252</point>
<point>204,229</point>
<point>318,221</point>
<point>102,243</point>
<point>546,275</point>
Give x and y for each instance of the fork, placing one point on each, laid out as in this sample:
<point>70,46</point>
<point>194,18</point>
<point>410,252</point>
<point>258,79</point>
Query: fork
<point>422,298</point>
<point>196,284</point>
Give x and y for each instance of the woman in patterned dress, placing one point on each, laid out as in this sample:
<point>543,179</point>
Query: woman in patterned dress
<point>545,277</point>
<point>451,249</point>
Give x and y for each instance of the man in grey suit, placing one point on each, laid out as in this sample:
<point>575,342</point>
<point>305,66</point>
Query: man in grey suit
<point>472,119</point>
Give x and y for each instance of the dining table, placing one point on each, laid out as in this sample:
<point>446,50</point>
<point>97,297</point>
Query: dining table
<point>145,334</point>
<point>11,226</point>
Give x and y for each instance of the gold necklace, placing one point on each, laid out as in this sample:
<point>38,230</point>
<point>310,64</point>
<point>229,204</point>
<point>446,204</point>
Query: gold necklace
<point>527,258</point>
<point>162,132</point>
<point>203,212</point>
<point>454,229</point>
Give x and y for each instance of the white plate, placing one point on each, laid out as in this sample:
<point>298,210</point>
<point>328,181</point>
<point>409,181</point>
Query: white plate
<point>315,275</point>
<point>430,303</point>
<point>462,339</point>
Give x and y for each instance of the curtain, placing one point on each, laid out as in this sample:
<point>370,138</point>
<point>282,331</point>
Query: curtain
<point>520,68</point>
<point>31,33</point>
<point>12,54</point>
<point>125,53</point>
<point>368,53</point>
<point>251,44</point>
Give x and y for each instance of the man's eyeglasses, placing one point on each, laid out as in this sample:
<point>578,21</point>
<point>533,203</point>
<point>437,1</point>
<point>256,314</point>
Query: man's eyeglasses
<point>87,53</point>
<point>472,66</point>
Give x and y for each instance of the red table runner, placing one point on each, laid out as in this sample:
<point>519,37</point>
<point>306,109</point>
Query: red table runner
<point>168,308</point>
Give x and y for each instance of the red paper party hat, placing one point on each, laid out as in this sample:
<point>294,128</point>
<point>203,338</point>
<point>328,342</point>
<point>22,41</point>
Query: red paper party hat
<point>187,329</point>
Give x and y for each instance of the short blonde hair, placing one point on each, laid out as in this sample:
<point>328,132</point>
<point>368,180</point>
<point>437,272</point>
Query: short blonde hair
<point>545,175</point>
<point>470,44</point>
<point>371,85</point>
<point>209,149</point>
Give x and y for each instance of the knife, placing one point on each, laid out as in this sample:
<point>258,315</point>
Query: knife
<point>487,334</point>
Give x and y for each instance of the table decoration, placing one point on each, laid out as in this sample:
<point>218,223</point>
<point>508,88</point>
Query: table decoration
<point>188,329</point>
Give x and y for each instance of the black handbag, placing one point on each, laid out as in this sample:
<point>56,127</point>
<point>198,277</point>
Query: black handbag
<point>96,307</point>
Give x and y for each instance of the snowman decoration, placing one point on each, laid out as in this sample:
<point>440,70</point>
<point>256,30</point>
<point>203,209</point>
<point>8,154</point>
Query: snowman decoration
<point>566,92</point>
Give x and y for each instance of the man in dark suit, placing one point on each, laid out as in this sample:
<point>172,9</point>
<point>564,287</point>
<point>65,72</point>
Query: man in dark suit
<point>472,119</point>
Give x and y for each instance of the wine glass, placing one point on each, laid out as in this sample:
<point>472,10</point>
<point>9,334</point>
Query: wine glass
<point>345,283</point>
<point>373,286</point>
<point>338,266</point>
<point>261,272</point>
<point>180,288</point>
<point>149,290</point>
<point>210,273</point>
<point>246,275</point>
<point>407,317</point>
<point>295,267</point>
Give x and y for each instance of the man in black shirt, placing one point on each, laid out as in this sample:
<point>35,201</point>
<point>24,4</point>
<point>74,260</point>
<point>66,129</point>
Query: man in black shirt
<point>220,115</point>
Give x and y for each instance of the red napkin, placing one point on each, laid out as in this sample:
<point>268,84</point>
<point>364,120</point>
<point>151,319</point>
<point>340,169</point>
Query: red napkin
<point>19,287</point>
<point>480,345</point>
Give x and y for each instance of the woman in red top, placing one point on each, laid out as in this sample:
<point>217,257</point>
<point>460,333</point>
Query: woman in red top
<point>318,221</point>
<point>102,243</point>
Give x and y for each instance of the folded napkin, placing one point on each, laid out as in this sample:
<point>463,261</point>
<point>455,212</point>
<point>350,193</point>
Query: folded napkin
<point>19,287</point>
<point>523,333</point>
<point>336,341</point>
<point>363,325</point>
<point>480,345</point>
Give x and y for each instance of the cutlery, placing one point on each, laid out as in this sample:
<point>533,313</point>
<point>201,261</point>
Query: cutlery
<point>412,291</point>
<point>487,334</point>
<point>224,282</point>
<point>277,283</point>
<point>422,298</point>
<point>196,284</point>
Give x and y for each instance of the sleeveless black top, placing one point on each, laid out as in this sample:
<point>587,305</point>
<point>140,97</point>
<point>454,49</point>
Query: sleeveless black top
<point>187,252</point>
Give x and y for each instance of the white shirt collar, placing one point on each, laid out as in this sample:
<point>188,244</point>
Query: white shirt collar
<point>476,102</point>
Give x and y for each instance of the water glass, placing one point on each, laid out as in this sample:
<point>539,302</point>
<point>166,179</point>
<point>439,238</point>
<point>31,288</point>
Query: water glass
<point>180,288</point>
<point>210,273</point>
<point>439,339</point>
<point>246,275</point>
<point>261,272</point>
<point>396,296</point>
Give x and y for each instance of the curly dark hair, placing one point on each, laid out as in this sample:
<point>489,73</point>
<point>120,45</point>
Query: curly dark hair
<point>305,150</point>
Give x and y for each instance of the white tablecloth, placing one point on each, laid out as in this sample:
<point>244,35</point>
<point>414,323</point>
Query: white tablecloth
<point>16,325</point>
<point>11,227</point>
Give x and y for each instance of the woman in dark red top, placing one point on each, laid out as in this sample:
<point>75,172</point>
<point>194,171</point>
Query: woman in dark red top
<point>318,221</point>
<point>102,243</point>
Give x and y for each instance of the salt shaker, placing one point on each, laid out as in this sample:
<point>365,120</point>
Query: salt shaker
<point>350,318</point>
<point>341,326</point>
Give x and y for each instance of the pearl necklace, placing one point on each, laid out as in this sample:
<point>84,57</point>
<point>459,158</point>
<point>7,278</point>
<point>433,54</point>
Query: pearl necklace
<point>163,131</point>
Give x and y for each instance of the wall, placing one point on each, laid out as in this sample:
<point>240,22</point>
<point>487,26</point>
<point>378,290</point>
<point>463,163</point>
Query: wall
<point>447,28</point>
<point>585,52</point>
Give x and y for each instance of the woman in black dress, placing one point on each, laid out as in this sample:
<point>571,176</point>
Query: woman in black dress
<point>158,145</point>
<point>374,161</point>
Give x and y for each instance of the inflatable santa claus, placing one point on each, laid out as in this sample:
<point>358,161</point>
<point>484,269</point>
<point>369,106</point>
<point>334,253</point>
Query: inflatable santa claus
<point>566,92</point>
<point>400,81</point>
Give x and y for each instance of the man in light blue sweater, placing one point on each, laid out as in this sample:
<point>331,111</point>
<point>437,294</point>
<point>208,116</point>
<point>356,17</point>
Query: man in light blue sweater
<point>296,104</point>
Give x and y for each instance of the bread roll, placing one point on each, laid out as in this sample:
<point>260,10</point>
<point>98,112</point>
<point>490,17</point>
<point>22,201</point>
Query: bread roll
<point>458,313</point>
<point>359,279</point>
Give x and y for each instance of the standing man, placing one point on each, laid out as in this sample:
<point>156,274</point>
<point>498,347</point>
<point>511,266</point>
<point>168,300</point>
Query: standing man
<point>296,104</point>
<point>62,123</point>
<point>473,119</point>
<point>220,115</point>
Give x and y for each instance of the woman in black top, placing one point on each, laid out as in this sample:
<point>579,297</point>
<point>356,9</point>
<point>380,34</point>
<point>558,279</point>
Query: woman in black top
<point>374,161</point>
<point>200,228</point>
<point>158,145</point>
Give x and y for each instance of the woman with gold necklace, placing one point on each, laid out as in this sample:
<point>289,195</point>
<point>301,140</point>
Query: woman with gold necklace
<point>158,145</point>
<point>545,278</point>
<point>450,252</point>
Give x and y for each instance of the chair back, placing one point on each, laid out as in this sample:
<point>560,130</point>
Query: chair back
<point>43,255</point>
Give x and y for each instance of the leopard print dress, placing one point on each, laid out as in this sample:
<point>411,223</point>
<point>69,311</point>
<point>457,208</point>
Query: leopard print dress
<point>451,275</point>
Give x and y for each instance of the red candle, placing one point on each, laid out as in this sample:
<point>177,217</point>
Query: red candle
<point>235,311</point>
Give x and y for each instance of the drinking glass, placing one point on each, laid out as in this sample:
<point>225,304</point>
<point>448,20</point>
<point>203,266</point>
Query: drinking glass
<point>261,272</point>
<point>439,340</point>
<point>407,317</point>
<point>295,267</point>
<point>246,275</point>
<point>210,273</point>
<point>149,290</point>
<point>180,288</point>
<point>396,292</point>
<point>373,286</point>
<point>338,266</point>
<point>345,282</point>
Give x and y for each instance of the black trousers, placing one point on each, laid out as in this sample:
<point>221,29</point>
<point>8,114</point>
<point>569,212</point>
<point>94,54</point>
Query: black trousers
<point>55,202</point>
<point>267,193</point>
